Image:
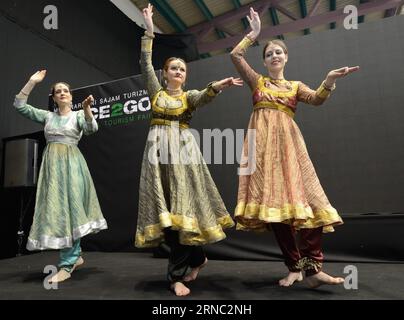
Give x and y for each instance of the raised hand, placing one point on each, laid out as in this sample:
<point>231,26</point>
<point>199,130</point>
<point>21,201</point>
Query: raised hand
<point>333,75</point>
<point>228,82</point>
<point>255,24</point>
<point>148,18</point>
<point>341,72</point>
<point>87,102</point>
<point>38,76</point>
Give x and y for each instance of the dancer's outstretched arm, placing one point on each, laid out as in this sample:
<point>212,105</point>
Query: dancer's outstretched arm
<point>85,118</point>
<point>317,97</point>
<point>198,98</point>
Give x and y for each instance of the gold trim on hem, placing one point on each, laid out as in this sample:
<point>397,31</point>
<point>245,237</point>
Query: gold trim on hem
<point>256,217</point>
<point>189,231</point>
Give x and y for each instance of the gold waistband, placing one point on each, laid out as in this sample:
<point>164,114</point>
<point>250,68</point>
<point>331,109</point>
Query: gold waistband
<point>165,122</point>
<point>276,106</point>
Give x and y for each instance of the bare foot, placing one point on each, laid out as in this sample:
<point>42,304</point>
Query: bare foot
<point>321,278</point>
<point>180,289</point>
<point>194,272</point>
<point>290,279</point>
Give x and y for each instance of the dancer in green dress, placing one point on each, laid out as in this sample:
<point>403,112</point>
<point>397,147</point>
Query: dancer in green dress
<point>66,207</point>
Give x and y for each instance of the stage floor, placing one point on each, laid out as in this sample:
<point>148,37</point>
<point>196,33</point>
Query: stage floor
<point>140,276</point>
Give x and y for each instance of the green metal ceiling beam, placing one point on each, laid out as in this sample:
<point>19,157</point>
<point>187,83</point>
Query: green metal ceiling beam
<point>333,7</point>
<point>244,20</point>
<point>173,19</point>
<point>237,5</point>
<point>275,20</point>
<point>205,10</point>
<point>361,19</point>
<point>169,14</point>
<point>208,15</point>
<point>303,10</point>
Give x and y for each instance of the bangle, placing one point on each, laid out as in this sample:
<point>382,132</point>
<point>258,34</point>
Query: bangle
<point>215,90</point>
<point>328,88</point>
<point>212,91</point>
<point>25,94</point>
<point>149,35</point>
<point>249,38</point>
<point>245,43</point>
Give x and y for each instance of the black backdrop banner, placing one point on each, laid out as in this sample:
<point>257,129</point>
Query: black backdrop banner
<point>114,154</point>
